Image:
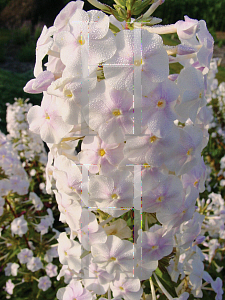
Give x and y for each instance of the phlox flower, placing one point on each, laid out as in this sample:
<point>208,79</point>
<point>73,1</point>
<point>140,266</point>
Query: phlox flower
<point>11,269</point>
<point>51,253</point>
<point>90,231</point>
<point>196,268</point>
<point>192,32</point>
<point>97,279</point>
<point>150,177</point>
<point>66,272</point>
<point>129,289</point>
<point>46,222</point>
<point>143,269</point>
<point>183,296</point>
<point>150,149</point>
<point>25,255</point>
<point>154,243</point>
<point>206,41</point>
<point>177,214</point>
<point>151,59</point>
<point>19,226</point>
<point>69,96</point>
<point>34,264</point>
<point>217,286</point>
<point>18,185</point>
<point>191,85</point>
<point>47,121</point>
<point>189,230</point>
<point>51,270</point>
<point>5,187</point>
<point>42,227</point>
<point>186,29</point>
<point>101,156</point>
<point>39,84</point>
<point>9,287</point>
<point>110,113</point>
<point>70,210</point>
<point>195,177</point>
<point>89,37</point>
<point>114,254</point>
<point>62,19</point>
<point>68,176</point>
<point>69,252</point>
<point>44,283</point>
<point>187,153</point>
<point>113,193</point>
<point>169,192</point>
<point>36,201</point>
<point>213,244</point>
<point>44,43</point>
<point>74,291</point>
<point>158,111</point>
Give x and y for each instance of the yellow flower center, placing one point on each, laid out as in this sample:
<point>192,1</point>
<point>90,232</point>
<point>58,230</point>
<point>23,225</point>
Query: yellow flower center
<point>196,182</point>
<point>72,188</point>
<point>112,258</point>
<point>116,112</point>
<point>161,103</point>
<point>68,93</point>
<point>160,199</point>
<point>145,165</point>
<point>138,62</point>
<point>47,116</point>
<point>189,152</point>
<point>153,139</point>
<point>114,196</point>
<point>155,247</point>
<point>121,288</point>
<point>101,152</point>
<point>81,40</point>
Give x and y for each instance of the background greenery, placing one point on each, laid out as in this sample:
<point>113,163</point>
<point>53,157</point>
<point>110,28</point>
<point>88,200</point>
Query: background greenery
<point>212,11</point>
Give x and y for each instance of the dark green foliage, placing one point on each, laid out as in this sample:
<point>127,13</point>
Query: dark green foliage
<point>210,11</point>
<point>27,52</point>
<point>3,3</point>
<point>11,86</point>
<point>22,35</point>
<point>2,52</point>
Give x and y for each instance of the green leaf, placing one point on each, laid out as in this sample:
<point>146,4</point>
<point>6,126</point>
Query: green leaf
<point>113,28</point>
<point>140,6</point>
<point>2,174</point>
<point>121,3</point>
<point>166,281</point>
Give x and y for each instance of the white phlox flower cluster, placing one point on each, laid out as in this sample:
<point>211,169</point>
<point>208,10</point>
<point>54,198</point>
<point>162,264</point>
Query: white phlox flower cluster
<point>16,179</point>
<point>19,208</point>
<point>25,142</point>
<point>142,131</point>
